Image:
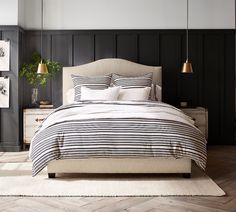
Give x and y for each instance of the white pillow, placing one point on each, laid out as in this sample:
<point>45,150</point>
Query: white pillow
<point>109,94</point>
<point>134,94</point>
<point>158,93</point>
<point>70,95</point>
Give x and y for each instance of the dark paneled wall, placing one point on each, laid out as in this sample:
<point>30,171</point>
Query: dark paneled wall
<point>11,118</point>
<point>211,52</point>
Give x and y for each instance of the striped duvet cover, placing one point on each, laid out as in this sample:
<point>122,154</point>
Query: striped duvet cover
<point>129,129</point>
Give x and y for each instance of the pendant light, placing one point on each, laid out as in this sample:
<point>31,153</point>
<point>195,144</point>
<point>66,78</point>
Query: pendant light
<point>42,67</point>
<point>187,66</point>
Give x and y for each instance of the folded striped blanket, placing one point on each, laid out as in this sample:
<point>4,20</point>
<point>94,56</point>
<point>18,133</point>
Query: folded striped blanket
<point>116,129</point>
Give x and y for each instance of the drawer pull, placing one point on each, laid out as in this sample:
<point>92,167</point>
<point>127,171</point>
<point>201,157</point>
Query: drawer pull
<point>38,120</point>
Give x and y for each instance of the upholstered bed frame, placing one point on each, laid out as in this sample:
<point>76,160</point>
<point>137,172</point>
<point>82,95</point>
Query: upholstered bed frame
<point>101,165</point>
<point>108,66</point>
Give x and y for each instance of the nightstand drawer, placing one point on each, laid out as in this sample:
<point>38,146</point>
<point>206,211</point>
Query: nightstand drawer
<point>33,118</point>
<point>29,133</point>
<point>200,116</point>
<point>204,130</point>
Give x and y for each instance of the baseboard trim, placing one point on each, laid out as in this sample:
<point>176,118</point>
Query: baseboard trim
<point>7,148</point>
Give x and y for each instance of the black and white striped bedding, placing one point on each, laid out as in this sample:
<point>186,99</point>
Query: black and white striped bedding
<point>132,82</point>
<point>96,129</point>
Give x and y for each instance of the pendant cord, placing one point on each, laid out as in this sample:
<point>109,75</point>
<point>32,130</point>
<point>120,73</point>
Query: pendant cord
<point>41,30</point>
<point>187,33</point>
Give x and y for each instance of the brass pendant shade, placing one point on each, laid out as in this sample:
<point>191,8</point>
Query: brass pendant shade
<point>42,68</point>
<point>187,68</point>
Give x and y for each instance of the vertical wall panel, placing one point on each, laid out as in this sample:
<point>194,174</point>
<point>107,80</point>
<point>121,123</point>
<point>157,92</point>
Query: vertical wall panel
<point>213,49</point>
<point>148,49</point>
<point>83,49</point>
<point>21,58</point>
<point>32,45</point>
<point>228,119</point>
<point>170,51</point>
<point>196,54</point>
<point>104,45</point>
<point>61,52</point>
<point>127,47</point>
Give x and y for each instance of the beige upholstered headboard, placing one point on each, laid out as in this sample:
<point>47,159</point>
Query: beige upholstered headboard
<point>108,66</point>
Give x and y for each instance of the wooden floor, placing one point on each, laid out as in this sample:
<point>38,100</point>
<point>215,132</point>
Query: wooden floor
<point>221,167</point>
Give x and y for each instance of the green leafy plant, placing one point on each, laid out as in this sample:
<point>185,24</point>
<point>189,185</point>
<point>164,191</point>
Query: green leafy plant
<point>29,71</point>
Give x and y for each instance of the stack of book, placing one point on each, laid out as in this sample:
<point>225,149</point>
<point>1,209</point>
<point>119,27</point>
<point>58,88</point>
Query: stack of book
<point>45,104</point>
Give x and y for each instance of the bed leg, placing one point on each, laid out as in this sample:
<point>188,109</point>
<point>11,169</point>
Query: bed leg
<point>51,175</point>
<point>186,175</point>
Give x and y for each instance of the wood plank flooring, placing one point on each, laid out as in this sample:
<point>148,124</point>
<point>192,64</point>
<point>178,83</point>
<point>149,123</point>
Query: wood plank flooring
<point>221,168</point>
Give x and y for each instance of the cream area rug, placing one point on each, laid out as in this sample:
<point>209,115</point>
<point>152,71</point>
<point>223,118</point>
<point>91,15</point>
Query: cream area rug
<point>16,180</point>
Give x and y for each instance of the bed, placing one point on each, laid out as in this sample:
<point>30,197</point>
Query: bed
<point>178,158</point>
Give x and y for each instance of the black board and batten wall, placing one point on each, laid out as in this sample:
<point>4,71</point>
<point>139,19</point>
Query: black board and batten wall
<point>212,53</point>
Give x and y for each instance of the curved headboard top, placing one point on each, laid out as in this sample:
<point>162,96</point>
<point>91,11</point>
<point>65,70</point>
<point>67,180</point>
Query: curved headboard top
<point>108,66</point>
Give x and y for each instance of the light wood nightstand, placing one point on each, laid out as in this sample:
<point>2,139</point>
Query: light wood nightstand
<point>200,116</point>
<point>32,120</point>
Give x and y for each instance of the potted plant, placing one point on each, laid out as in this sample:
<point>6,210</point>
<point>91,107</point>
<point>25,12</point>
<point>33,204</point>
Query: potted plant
<point>29,71</point>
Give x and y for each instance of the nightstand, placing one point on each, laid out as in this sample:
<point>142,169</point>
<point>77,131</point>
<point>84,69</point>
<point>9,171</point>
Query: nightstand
<point>32,120</point>
<point>200,116</point>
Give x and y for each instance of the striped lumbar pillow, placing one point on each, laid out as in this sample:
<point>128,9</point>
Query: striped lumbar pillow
<point>94,82</point>
<point>132,82</point>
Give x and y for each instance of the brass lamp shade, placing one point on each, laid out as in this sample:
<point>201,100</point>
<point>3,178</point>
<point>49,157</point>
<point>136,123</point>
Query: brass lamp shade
<point>42,68</point>
<point>187,68</point>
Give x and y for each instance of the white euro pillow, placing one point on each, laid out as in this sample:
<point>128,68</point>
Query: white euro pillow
<point>130,94</point>
<point>158,93</point>
<point>70,95</point>
<point>109,94</point>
